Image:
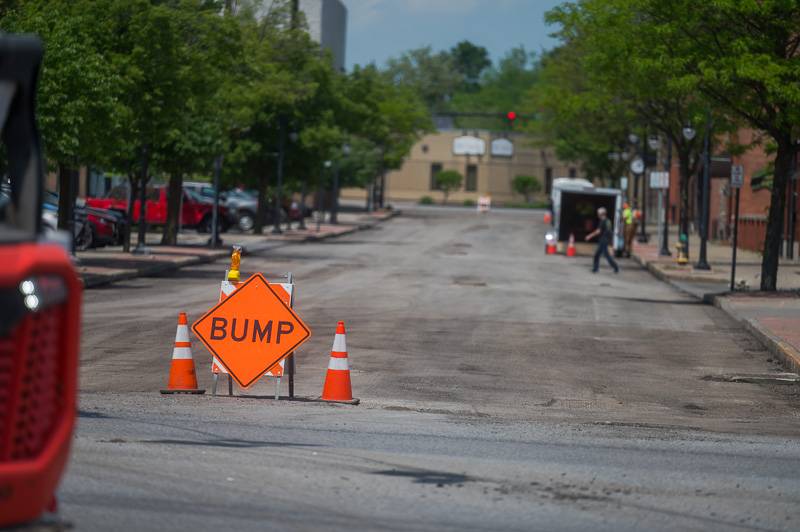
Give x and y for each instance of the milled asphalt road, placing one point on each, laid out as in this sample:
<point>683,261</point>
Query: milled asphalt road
<point>501,389</point>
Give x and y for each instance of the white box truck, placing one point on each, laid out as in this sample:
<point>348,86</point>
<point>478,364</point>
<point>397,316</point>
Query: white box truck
<point>575,204</point>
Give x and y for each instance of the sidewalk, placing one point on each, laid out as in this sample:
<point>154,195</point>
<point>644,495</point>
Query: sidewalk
<point>102,266</point>
<point>772,317</point>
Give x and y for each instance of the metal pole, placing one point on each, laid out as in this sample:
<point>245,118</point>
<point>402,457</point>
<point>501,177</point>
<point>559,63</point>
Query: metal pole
<point>335,199</point>
<point>230,384</point>
<point>643,233</point>
<point>276,214</point>
<point>665,236</point>
<point>141,244</point>
<point>702,262</point>
<point>215,240</point>
<point>303,193</point>
<point>290,280</point>
<point>735,242</point>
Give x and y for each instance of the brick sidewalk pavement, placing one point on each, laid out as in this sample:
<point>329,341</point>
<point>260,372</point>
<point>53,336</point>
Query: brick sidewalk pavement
<point>106,265</point>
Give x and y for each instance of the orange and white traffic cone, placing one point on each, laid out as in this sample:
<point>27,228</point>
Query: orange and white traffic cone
<point>337,381</point>
<point>571,246</point>
<point>182,377</point>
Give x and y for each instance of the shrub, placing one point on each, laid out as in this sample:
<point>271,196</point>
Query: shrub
<point>526,185</point>
<point>469,203</point>
<point>448,181</point>
<point>426,200</point>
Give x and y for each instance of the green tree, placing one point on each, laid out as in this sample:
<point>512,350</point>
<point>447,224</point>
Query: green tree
<point>743,57</point>
<point>447,181</point>
<point>76,98</point>
<point>526,185</point>
<point>434,76</point>
<point>502,88</point>
<point>470,61</point>
<point>210,48</point>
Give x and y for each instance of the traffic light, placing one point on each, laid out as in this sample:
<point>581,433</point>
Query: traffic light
<point>511,116</point>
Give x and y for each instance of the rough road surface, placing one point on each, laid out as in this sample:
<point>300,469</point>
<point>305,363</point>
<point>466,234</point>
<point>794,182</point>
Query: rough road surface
<point>501,389</point>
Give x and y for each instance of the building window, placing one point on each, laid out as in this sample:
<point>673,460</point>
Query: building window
<point>572,172</point>
<point>548,180</point>
<point>471,184</point>
<point>435,169</point>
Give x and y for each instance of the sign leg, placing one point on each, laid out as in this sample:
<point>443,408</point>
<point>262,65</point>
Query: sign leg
<point>214,381</point>
<point>277,388</point>
<point>230,385</point>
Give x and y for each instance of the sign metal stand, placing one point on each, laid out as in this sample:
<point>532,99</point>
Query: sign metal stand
<point>289,359</point>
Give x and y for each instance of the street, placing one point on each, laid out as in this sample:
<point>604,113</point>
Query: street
<point>500,389</point>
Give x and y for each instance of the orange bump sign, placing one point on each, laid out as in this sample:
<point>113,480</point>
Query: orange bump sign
<point>251,330</point>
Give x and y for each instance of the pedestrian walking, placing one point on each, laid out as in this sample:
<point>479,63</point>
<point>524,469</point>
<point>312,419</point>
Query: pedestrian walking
<point>605,234</point>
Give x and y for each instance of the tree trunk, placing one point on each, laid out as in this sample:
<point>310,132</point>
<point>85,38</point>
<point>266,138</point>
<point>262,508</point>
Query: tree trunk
<point>133,191</point>
<point>263,204</point>
<point>169,236</point>
<point>772,242</point>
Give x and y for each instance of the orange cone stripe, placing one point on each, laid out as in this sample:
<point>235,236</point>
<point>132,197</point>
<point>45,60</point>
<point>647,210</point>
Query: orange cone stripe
<point>183,344</point>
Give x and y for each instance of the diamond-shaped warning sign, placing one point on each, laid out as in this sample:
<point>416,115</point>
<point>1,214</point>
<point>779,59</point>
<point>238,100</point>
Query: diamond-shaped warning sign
<point>251,330</point>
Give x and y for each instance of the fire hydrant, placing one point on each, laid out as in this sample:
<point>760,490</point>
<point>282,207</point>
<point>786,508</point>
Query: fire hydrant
<point>683,250</point>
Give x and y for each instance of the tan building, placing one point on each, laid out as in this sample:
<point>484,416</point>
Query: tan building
<point>487,174</point>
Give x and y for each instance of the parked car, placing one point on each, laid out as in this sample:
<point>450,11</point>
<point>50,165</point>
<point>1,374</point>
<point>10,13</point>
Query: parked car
<point>195,211</point>
<point>94,227</point>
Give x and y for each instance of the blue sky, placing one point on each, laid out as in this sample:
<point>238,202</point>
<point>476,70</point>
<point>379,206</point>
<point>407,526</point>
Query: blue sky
<point>379,29</point>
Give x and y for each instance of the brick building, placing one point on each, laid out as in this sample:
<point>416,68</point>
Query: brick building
<point>754,198</point>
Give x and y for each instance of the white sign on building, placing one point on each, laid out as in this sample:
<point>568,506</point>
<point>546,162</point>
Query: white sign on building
<point>502,148</point>
<point>468,145</point>
<point>659,180</point>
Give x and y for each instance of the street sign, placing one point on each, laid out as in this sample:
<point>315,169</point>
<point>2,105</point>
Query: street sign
<point>284,291</point>
<point>737,176</point>
<point>251,330</point>
<point>659,180</point>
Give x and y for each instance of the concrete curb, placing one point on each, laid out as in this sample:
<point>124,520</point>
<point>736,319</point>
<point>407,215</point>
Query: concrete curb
<point>661,276</point>
<point>788,355</point>
<point>156,269</point>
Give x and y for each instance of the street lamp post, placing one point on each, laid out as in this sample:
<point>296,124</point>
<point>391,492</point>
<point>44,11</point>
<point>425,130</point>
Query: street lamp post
<point>141,244</point>
<point>276,209</point>
<point>702,262</point>
<point>215,240</point>
<point>335,200</point>
<point>688,133</point>
<point>320,214</point>
<point>664,252</point>
<point>643,236</point>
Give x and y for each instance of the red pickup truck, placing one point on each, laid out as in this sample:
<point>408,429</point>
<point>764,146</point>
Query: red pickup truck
<point>195,211</point>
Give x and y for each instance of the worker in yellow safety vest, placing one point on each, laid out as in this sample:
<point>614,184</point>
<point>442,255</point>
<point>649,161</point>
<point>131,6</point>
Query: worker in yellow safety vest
<point>629,231</point>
